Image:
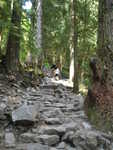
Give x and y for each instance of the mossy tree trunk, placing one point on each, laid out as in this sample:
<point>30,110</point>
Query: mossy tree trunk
<point>71,48</point>
<point>0,41</point>
<point>105,37</point>
<point>13,44</point>
<point>75,41</point>
<point>100,95</point>
<point>39,59</point>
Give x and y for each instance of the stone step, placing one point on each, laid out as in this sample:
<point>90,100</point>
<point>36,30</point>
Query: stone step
<point>32,146</point>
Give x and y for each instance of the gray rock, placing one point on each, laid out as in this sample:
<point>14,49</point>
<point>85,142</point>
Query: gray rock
<point>48,86</point>
<point>32,146</point>
<point>80,99</point>
<point>92,139</point>
<point>61,86</point>
<point>53,121</point>
<point>53,148</point>
<point>111,146</point>
<point>63,124</point>
<point>68,147</point>
<point>79,136</point>
<point>61,145</point>
<point>55,112</point>
<point>37,147</point>
<point>27,137</point>
<point>59,105</point>
<point>85,138</point>
<point>1,136</point>
<point>9,140</point>
<point>67,136</point>
<point>53,130</point>
<point>79,148</point>
<point>2,116</point>
<point>25,115</point>
<point>48,139</point>
<point>72,126</point>
<point>2,106</point>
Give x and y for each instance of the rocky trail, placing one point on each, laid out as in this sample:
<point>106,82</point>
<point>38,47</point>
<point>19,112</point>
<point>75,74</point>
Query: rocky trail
<point>48,117</point>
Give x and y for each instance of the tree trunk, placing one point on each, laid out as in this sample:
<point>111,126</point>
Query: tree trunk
<point>75,40</point>
<point>13,45</point>
<point>39,32</point>
<point>39,24</point>
<point>0,42</point>
<point>100,95</point>
<point>105,37</point>
<point>71,67</point>
<point>61,62</point>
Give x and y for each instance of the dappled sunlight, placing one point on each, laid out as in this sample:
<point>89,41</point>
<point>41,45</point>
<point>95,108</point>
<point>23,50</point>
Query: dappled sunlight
<point>28,5</point>
<point>65,82</point>
<point>83,89</point>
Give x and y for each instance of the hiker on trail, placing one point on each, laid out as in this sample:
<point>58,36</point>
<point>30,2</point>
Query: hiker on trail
<point>46,69</point>
<point>56,72</point>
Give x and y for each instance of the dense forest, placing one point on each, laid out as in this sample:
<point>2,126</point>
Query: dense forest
<point>48,33</point>
<point>76,35</point>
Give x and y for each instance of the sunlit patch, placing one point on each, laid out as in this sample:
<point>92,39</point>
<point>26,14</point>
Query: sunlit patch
<point>27,5</point>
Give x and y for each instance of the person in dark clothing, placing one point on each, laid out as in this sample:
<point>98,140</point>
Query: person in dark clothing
<point>54,66</point>
<point>56,72</point>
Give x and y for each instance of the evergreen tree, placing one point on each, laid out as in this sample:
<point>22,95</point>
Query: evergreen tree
<point>105,37</point>
<point>72,26</point>
<point>39,59</point>
<point>75,40</point>
<point>13,44</point>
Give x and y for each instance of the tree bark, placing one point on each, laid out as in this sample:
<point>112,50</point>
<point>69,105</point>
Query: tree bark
<point>13,45</point>
<point>39,59</point>
<point>105,37</point>
<point>0,42</point>
<point>39,24</point>
<point>75,40</point>
<point>71,67</point>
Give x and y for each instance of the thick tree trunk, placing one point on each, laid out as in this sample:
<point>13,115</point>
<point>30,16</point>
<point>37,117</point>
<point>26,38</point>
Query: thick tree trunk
<point>105,36</point>
<point>0,42</point>
<point>73,70</point>
<point>13,45</point>
<point>100,95</point>
<point>75,40</point>
<point>71,67</point>
<point>39,32</point>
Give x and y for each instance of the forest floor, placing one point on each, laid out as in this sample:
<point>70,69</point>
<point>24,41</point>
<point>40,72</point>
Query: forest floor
<point>46,117</point>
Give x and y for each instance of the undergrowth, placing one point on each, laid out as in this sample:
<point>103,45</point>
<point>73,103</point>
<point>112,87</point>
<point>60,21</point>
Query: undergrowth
<point>98,120</point>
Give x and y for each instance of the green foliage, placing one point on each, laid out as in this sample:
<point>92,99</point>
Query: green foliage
<point>25,27</point>
<point>5,14</point>
<point>57,24</point>
<point>28,41</point>
<point>47,65</point>
<point>97,120</point>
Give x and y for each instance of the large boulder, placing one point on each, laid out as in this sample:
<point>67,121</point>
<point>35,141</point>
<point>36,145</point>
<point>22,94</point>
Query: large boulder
<point>25,115</point>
